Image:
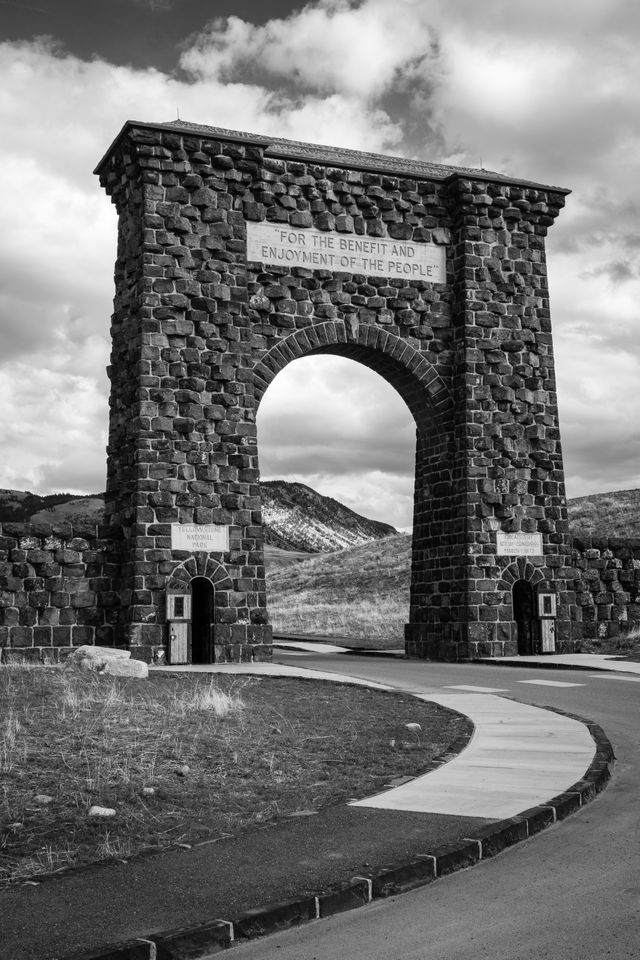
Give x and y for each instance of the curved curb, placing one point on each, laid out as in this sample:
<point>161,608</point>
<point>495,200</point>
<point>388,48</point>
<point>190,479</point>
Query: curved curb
<point>213,936</point>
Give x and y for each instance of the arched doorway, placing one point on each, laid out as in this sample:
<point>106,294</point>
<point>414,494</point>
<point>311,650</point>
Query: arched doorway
<point>202,615</point>
<point>524,616</point>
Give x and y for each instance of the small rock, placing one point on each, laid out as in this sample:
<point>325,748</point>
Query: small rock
<point>96,811</point>
<point>43,798</point>
<point>183,771</point>
<point>398,781</point>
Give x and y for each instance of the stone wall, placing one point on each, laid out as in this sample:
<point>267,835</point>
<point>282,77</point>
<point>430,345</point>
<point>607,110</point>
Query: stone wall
<point>57,589</point>
<point>607,587</point>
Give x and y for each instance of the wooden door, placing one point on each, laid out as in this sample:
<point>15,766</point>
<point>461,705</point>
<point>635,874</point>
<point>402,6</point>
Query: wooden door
<point>179,617</point>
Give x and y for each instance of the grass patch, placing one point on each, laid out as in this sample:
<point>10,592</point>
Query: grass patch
<point>187,758</point>
<point>361,593</point>
<point>626,646</point>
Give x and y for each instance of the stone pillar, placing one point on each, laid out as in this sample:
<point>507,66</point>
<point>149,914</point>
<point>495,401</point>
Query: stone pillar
<point>506,404</point>
<point>182,440</point>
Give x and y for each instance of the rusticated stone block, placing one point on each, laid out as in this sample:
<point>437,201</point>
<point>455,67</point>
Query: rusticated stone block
<point>21,636</point>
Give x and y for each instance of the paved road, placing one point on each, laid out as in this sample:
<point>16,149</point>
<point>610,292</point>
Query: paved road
<point>570,893</point>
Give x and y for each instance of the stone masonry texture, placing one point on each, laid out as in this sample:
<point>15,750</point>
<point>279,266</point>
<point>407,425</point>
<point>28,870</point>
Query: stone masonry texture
<point>57,589</point>
<point>607,585</point>
<point>199,332</point>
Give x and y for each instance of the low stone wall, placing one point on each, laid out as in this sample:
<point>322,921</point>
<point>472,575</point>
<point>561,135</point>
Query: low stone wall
<point>607,586</point>
<point>57,589</point>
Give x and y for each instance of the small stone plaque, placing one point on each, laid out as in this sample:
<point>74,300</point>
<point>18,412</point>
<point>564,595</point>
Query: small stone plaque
<point>208,537</point>
<point>519,544</point>
<point>328,250</point>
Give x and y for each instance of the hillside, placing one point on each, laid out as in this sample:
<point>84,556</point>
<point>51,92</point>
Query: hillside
<point>361,592</point>
<point>296,518</point>
<point>614,514</point>
<point>17,506</point>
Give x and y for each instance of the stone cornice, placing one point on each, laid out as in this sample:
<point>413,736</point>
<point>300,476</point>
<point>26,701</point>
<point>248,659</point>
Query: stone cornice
<point>280,148</point>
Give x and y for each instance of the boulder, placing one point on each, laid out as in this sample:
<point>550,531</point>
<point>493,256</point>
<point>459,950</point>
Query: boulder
<point>109,661</point>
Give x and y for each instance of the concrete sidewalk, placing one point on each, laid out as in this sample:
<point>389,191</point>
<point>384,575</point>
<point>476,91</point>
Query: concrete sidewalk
<point>519,757</point>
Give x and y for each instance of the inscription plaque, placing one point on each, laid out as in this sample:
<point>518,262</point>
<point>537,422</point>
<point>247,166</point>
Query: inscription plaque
<point>329,250</point>
<point>209,537</point>
<point>519,544</point>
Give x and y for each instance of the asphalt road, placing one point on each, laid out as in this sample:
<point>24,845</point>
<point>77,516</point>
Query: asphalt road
<point>570,893</point>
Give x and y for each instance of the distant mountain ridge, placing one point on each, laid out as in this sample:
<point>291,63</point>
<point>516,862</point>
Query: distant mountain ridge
<point>299,518</point>
<point>296,518</point>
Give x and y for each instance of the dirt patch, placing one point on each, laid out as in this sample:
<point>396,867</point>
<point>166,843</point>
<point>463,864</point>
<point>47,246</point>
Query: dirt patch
<point>186,758</point>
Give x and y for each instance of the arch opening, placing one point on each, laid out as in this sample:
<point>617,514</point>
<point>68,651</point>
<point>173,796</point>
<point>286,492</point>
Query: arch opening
<point>524,614</point>
<point>202,620</point>
<point>340,427</point>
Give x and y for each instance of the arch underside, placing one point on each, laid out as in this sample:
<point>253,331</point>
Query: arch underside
<point>393,358</point>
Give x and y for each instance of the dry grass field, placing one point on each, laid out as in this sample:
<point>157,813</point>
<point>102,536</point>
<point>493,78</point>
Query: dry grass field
<point>185,759</point>
<point>361,593</point>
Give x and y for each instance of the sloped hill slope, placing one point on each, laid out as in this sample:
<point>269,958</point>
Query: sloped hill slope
<point>615,514</point>
<point>361,592</point>
<point>17,506</point>
<point>298,518</point>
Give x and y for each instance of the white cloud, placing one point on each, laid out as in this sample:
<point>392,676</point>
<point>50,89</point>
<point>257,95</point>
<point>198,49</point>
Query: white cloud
<point>545,91</point>
<point>330,47</point>
<point>52,430</point>
<point>59,243</point>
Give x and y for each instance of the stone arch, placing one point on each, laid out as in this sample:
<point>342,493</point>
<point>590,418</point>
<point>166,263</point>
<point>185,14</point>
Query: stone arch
<point>520,569</point>
<point>199,565</point>
<point>393,357</point>
<point>474,364</point>
<point>525,630</point>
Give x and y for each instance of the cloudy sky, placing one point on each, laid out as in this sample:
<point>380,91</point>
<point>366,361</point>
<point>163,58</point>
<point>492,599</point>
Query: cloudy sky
<point>546,91</point>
